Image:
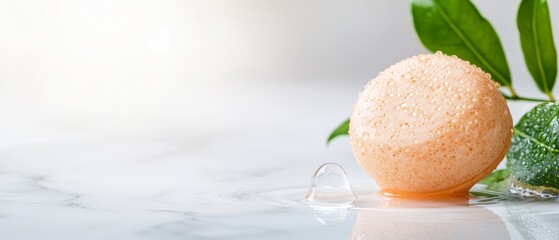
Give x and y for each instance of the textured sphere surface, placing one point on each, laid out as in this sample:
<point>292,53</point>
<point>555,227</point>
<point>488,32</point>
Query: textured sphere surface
<point>430,125</point>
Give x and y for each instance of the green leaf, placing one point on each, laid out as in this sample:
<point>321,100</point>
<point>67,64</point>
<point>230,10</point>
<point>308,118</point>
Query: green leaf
<point>533,157</point>
<point>456,27</point>
<point>341,130</point>
<point>498,180</point>
<point>536,37</point>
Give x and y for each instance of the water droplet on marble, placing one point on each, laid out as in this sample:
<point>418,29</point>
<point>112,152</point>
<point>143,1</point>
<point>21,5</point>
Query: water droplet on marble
<point>329,185</point>
<point>330,195</point>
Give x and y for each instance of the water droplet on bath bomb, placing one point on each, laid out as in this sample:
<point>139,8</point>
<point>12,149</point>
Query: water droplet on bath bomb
<point>487,100</point>
<point>330,185</point>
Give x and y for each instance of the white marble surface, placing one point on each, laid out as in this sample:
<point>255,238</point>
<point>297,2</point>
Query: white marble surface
<point>152,189</point>
<point>172,185</point>
<point>241,180</point>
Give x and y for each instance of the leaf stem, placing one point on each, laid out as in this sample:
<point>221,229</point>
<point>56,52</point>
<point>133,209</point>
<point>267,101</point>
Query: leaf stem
<point>512,92</point>
<point>518,98</point>
<point>550,95</point>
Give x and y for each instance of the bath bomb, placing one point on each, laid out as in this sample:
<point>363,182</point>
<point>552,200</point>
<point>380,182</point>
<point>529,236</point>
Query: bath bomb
<point>430,125</point>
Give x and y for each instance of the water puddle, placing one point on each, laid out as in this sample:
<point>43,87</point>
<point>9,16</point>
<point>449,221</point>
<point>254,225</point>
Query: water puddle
<point>332,201</point>
<point>532,193</point>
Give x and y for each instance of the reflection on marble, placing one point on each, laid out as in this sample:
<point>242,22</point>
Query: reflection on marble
<point>448,222</point>
<point>488,216</point>
<point>330,215</point>
<point>475,223</point>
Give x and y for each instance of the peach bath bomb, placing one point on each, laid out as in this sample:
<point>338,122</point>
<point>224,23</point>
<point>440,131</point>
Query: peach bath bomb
<point>428,126</point>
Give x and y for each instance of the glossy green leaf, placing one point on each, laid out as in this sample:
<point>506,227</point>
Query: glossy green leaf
<point>341,130</point>
<point>456,27</point>
<point>498,180</point>
<point>533,157</point>
<point>536,37</point>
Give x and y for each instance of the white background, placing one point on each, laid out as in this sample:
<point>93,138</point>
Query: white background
<point>203,67</point>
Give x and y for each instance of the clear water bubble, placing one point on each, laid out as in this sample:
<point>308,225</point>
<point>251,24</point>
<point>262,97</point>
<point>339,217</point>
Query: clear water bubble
<point>329,185</point>
<point>330,195</point>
